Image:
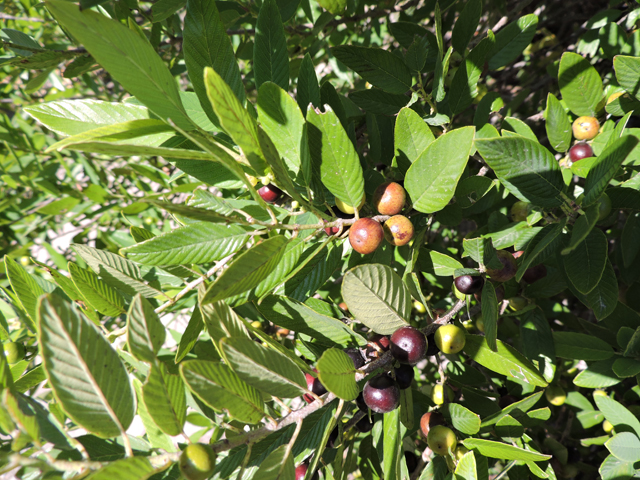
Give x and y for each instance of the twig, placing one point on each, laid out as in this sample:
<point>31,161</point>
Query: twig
<point>4,16</point>
<point>503,473</point>
<point>421,464</point>
<point>194,284</point>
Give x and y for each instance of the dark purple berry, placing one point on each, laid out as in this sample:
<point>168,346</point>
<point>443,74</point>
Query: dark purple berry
<point>381,394</point>
<point>580,151</point>
<point>412,461</point>
<point>404,376</point>
<point>270,193</point>
<point>469,284</point>
<point>356,357</point>
<point>408,345</point>
<point>364,425</point>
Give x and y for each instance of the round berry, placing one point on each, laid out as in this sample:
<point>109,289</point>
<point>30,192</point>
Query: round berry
<point>580,151</point>
<point>555,395</point>
<point>441,439</point>
<point>419,307</point>
<point>365,235</point>
<point>508,270</point>
<point>389,198</point>
<point>270,193</point>
<point>438,394</point>
<point>197,462</point>
<point>430,420</point>
<point>301,472</point>
<point>364,425</point>
<point>313,385</point>
<point>432,348</point>
<point>469,284</point>
<point>381,394</point>
<point>14,352</point>
<point>604,206</point>
<point>520,211</point>
<point>518,303</point>
<point>408,345</point>
<point>349,209</point>
<point>355,356</point>
<point>450,338</point>
<point>607,426</point>
<point>404,376</point>
<point>360,403</point>
<point>533,274</point>
<point>398,230</point>
<point>412,461</point>
<point>585,128</point>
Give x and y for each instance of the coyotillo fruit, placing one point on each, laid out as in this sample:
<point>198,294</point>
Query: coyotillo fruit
<point>585,128</point>
<point>441,439</point>
<point>508,270</point>
<point>197,462</point>
<point>398,230</point>
<point>580,151</point>
<point>469,284</point>
<point>450,338</point>
<point>430,420</point>
<point>381,394</point>
<point>365,235</point>
<point>270,193</point>
<point>349,209</point>
<point>408,345</point>
<point>389,198</point>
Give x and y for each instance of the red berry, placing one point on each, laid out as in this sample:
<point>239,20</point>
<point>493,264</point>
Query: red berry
<point>301,472</point>
<point>270,193</point>
<point>365,235</point>
<point>314,385</point>
<point>381,394</point>
<point>398,230</point>
<point>408,345</point>
<point>389,198</point>
<point>430,419</point>
<point>469,284</point>
<point>580,151</point>
<point>381,341</point>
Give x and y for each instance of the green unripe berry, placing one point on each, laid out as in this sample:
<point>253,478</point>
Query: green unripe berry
<point>555,395</point>
<point>441,439</point>
<point>197,462</point>
<point>14,352</point>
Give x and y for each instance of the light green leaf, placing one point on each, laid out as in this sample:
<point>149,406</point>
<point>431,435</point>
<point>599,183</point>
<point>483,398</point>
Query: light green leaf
<point>87,376</point>
<point>164,397</point>
<point>338,374</point>
<point>619,416</point>
<point>432,179</point>
<point>628,73</point>
<point>412,136</point>
<point>443,265</point>
<point>580,84</point>
<point>392,445</point>
<point>557,125</point>
<point>624,446</point>
<point>190,335</point>
<point>130,60</point>
<point>97,293</point>
<point>134,468</point>
<point>503,451</point>
<point>26,289</point>
<point>221,389</point>
<point>277,466</point>
<point>263,368</point>
<point>466,467</point>
<point>197,243</point>
<point>613,469</point>
<point>463,419</point>
<point>145,332</point>
<point>598,375</point>
<point>377,297</point>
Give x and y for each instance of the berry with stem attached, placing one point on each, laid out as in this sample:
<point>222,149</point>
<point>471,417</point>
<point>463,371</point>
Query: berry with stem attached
<point>398,230</point>
<point>438,394</point>
<point>365,235</point>
<point>381,394</point>
<point>14,352</point>
<point>408,345</point>
<point>301,472</point>
<point>555,395</point>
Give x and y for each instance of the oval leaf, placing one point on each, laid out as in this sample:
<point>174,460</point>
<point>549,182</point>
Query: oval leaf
<point>338,374</point>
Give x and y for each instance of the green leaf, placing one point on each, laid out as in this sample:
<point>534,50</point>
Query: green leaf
<point>503,451</point>
<point>512,40</point>
<point>463,419</point>
<point>270,56</point>
<point>26,289</point>
<point>626,367</point>
<point>71,117</point>
<point>379,102</point>
<point>417,53</point>
<point>604,298</point>
<point>338,374</point>
<point>222,321</point>
<point>335,156</point>
<point>580,84</point>
<point>557,125</point>
<point>466,25</point>
<point>490,312</point>
<point>624,446</point>
<point>464,86</point>
<point>537,342</point>
<point>206,44</point>
<point>392,449</point>
<point>443,265</point>
<point>145,331</point>
<point>377,297</point>
<point>614,469</point>
<point>598,375</point>
<point>308,91</point>
<point>442,68</point>
<point>235,119</point>
<point>432,179</point>
<point>86,374</point>
<point>619,416</point>
<point>97,293</point>
<point>628,73</point>
<point>585,265</point>
<point>466,467</point>
<point>579,346</point>
<point>543,245</point>
<point>134,468</point>
<point>277,466</point>
<point>605,168</point>
<point>217,386</point>
<point>412,136</point>
<point>527,169</point>
<point>197,243</point>
<point>247,270</point>
<point>379,67</point>
<point>581,228</point>
<point>630,240</point>
<point>263,368</point>
<point>290,314</point>
<point>509,428</point>
<point>505,361</point>
<point>130,60</point>
<point>164,397</point>
<point>116,271</point>
<point>190,335</point>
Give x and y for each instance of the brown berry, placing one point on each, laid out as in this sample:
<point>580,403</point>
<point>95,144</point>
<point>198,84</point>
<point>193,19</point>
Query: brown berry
<point>430,419</point>
<point>398,230</point>
<point>508,270</point>
<point>389,198</point>
<point>365,235</point>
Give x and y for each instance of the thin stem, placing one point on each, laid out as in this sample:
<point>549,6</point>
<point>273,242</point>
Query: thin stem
<point>503,473</point>
<point>245,461</point>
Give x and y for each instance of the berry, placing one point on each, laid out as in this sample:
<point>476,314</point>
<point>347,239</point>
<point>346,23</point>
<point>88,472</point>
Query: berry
<point>450,338</point>
<point>398,230</point>
<point>364,425</point>
<point>381,394</point>
<point>520,211</point>
<point>270,193</point>
<point>469,284</point>
<point>580,151</point>
<point>412,461</point>
<point>360,403</point>
<point>366,235</point>
<point>480,324</point>
<point>604,207</point>
<point>408,345</point>
<point>555,395</point>
<point>389,198</point>
<point>404,376</point>
<point>432,348</point>
<point>14,352</point>
<point>419,307</point>
<point>356,357</point>
<point>533,274</point>
<point>197,462</point>
<point>585,128</point>
<point>518,303</point>
<point>430,420</point>
<point>508,270</point>
<point>607,426</point>
<point>437,394</point>
<point>441,439</point>
<point>333,436</point>
<point>24,261</point>
<point>301,472</point>
<point>381,341</point>
<point>460,452</point>
<point>340,214</point>
<point>348,209</point>
<point>313,385</point>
